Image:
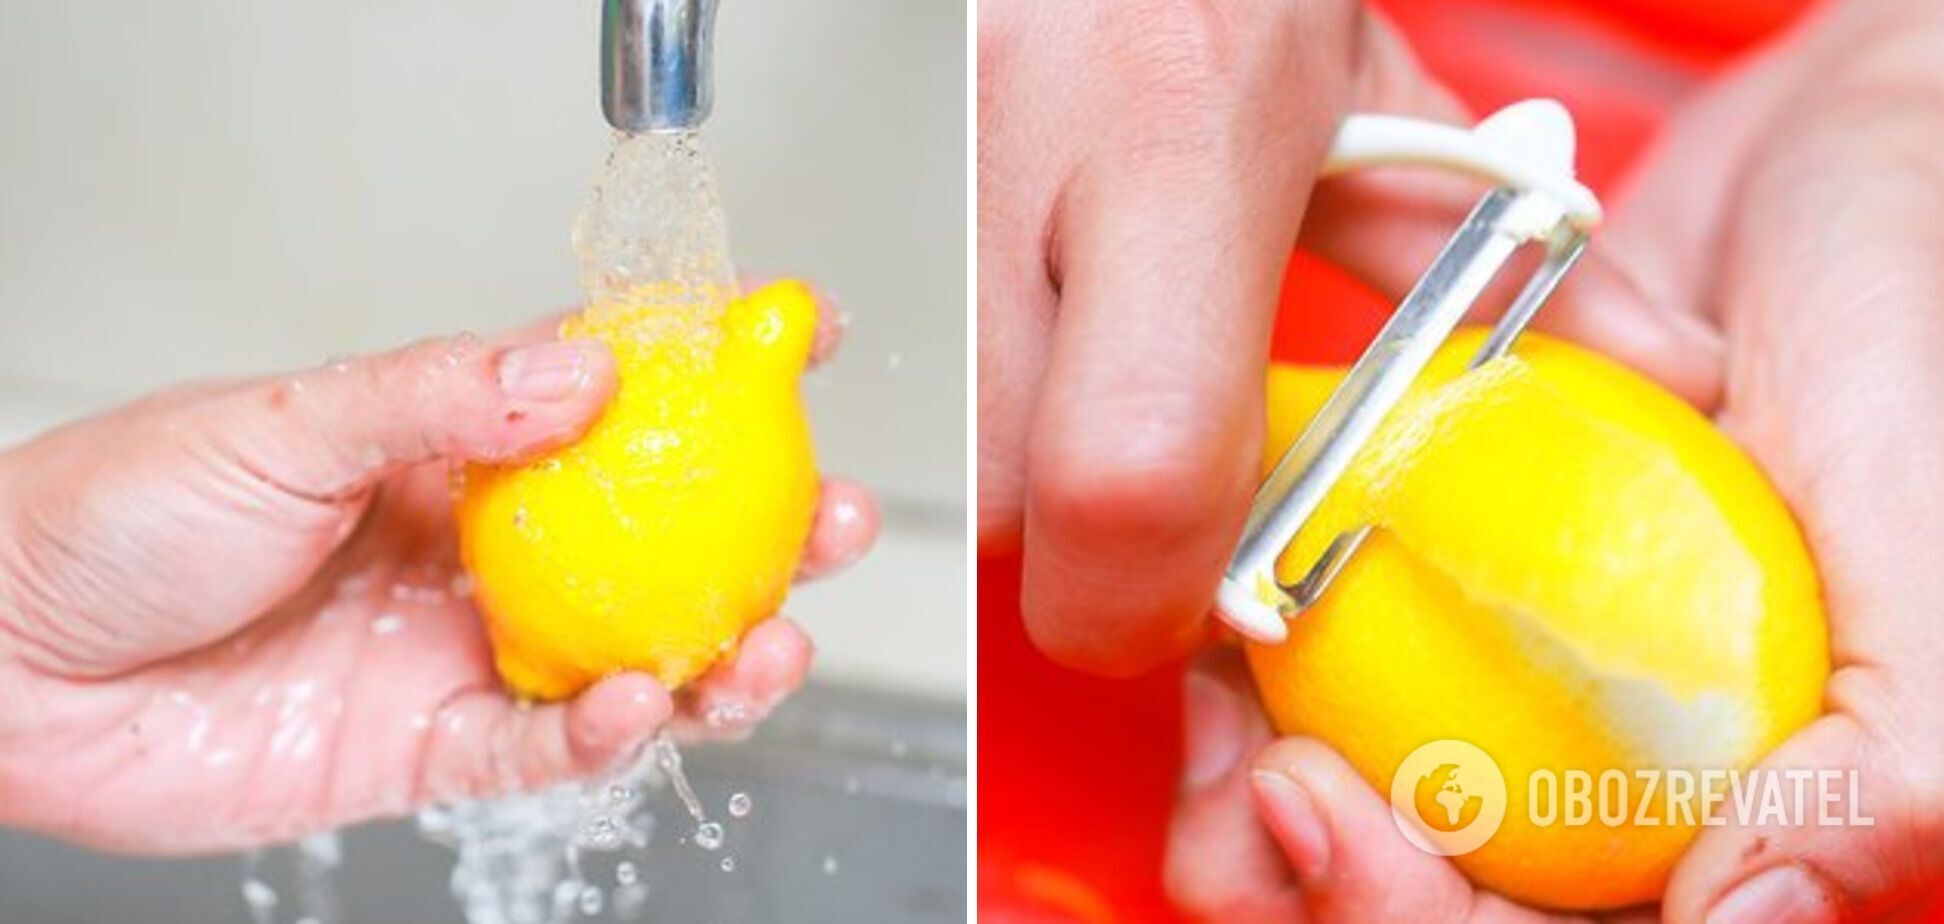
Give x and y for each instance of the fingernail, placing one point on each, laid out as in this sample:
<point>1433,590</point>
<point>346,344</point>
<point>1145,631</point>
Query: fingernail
<point>1211,733</point>
<point>544,372</point>
<point>1292,816</point>
<point>1783,895</point>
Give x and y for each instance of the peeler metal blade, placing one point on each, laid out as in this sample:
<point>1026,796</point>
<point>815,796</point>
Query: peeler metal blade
<point>1251,598</point>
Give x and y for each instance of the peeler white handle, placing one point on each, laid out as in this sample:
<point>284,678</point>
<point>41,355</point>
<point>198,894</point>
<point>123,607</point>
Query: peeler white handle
<point>1527,145</point>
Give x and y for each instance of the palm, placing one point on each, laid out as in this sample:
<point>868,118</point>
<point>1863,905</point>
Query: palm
<point>328,708</point>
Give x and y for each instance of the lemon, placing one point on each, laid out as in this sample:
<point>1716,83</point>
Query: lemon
<point>1571,570</point>
<point>676,523</point>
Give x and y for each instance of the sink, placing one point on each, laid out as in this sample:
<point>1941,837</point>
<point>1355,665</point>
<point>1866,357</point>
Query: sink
<point>858,814</point>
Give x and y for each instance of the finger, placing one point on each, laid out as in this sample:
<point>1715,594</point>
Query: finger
<point>1221,864</point>
<point>845,527</point>
<point>328,433</point>
<point>1668,222</point>
<point>1169,245</point>
<point>736,696</point>
<point>832,321</point>
<point>484,743</point>
<point>1825,865</point>
<point>1338,835</point>
<point>1024,147</point>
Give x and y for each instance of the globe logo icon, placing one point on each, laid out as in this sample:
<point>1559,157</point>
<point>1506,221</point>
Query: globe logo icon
<point>1448,797</point>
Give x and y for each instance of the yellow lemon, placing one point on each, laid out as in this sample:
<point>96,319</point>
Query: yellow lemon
<point>676,523</point>
<point>1573,571</point>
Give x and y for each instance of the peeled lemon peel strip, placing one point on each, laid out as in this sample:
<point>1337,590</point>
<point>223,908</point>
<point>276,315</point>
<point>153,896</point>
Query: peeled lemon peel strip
<point>1527,149</point>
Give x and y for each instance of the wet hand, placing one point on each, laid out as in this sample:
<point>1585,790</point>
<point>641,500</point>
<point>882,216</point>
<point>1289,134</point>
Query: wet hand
<point>233,612</point>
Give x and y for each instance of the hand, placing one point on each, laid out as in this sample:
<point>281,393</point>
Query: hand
<point>1795,212</point>
<point>234,612</point>
<point>1143,169</point>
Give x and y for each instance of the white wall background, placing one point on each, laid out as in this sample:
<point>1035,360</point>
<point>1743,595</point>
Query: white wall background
<point>203,187</point>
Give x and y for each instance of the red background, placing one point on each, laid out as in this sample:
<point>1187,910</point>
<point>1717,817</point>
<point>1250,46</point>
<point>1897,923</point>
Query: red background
<point>1076,775</point>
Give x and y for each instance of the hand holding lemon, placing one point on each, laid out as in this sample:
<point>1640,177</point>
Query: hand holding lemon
<point>294,534</point>
<point>1825,368</point>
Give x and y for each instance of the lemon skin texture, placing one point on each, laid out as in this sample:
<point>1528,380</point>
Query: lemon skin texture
<point>676,523</point>
<point>1572,570</point>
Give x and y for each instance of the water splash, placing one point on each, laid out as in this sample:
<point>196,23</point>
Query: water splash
<point>651,242</point>
<point>519,858</point>
<point>313,863</point>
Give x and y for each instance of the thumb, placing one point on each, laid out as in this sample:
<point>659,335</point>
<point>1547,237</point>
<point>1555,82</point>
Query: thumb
<point>1338,835</point>
<point>1838,858</point>
<point>328,433</point>
<point>1220,863</point>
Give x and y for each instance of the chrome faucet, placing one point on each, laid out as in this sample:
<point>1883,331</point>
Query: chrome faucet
<point>655,61</point>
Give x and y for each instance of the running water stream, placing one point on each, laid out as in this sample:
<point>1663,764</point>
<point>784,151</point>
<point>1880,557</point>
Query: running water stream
<point>652,235</point>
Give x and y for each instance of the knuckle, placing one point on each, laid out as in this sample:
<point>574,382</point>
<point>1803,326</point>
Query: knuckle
<point>1175,486</point>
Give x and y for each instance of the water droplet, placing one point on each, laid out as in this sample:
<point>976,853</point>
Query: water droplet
<point>591,901</point>
<point>708,835</point>
<point>895,361</point>
<point>728,864</point>
<point>458,348</point>
<point>727,715</point>
<point>601,832</point>
<point>262,900</point>
<point>739,805</point>
<point>829,865</point>
<point>387,624</point>
<point>324,849</point>
<point>669,758</point>
<point>626,874</point>
<point>566,895</point>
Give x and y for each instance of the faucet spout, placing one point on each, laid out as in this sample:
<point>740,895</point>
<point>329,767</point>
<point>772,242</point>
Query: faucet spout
<point>656,57</point>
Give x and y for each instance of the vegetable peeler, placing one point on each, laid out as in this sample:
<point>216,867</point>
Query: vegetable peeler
<point>1526,152</point>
